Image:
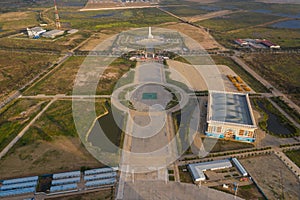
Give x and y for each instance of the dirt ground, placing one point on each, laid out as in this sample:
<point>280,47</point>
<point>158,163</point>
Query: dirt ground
<point>225,70</point>
<point>210,15</point>
<point>204,1</point>
<point>12,16</point>
<point>187,74</point>
<point>199,35</point>
<point>274,178</point>
<point>280,1</point>
<point>94,41</point>
<point>190,76</point>
<point>103,194</point>
<point>41,157</point>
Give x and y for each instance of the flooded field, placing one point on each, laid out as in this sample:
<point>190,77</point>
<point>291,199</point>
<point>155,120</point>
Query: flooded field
<point>291,24</point>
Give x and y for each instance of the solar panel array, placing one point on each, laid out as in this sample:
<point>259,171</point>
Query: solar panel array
<point>18,186</point>
<point>66,175</point>
<point>98,171</point>
<point>100,182</point>
<point>65,181</point>
<point>66,187</point>
<point>100,176</point>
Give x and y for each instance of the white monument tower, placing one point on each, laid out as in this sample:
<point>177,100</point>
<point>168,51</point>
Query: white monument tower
<point>150,36</point>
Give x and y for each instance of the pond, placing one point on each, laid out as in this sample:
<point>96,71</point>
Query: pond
<point>274,124</point>
<point>266,11</point>
<point>109,127</point>
<point>291,24</point>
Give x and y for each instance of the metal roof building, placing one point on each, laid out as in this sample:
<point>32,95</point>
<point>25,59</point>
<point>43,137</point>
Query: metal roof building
<point>230,116</point>
<point>197,169</point>
<point>239,167</point>
<point>53,33</point>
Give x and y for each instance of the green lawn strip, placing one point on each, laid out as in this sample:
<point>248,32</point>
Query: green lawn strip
<point>294,155</point>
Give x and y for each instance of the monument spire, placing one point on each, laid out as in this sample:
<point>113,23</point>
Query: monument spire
<point>150,36</point>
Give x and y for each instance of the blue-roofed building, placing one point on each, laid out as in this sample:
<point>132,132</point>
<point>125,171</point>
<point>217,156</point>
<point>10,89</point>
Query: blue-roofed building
<point>230,116</point>
<point>67,175</point>
<point>98,171</point>
<point>100,176</point>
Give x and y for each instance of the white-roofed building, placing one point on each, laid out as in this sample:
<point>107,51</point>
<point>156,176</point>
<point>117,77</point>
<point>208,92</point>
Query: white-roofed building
<point>35,31</point>
<point>53,33</point>
<point>197,169</point>
<point>230,116</point>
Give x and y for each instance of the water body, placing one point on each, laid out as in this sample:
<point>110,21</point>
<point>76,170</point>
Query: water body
<point>107,131</point>
<point>291,24</point>
<point>274,124</point>
<point>266,11</point>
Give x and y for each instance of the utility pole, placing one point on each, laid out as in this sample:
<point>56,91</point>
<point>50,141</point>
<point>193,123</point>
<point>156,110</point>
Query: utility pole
<point>57,21</point>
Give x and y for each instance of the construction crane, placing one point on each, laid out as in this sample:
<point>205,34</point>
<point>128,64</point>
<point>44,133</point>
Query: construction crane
<point>57,21</point>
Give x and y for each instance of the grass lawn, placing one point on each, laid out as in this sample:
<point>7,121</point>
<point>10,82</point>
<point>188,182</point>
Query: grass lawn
<point>281,70</point>
<point>185,176</point>
<point>112,19</point>
<point>15,117</point>
<point>18,68</point>
<point>50,145</point>
<point>294,155</point>
<point>111,77</point>
<point>237,21</point>
<point>59,81</point>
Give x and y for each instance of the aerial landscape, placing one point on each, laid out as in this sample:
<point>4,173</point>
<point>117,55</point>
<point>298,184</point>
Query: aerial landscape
<point>149,99</point>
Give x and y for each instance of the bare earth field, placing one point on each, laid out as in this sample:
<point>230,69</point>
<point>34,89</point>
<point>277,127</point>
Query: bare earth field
<point>41,157</point>
<point>94,41</point>
<point>270,173</point>
<point>199,35</point>
<point>198,18</point>
<point>203,1</point>
<point>50,145</point>
<point>280,1</point>
<point>99,195</point>
<point>187,74</point>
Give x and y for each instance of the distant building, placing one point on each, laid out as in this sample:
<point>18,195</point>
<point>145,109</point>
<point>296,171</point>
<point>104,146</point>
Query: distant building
<point>35,32</point>
<point>72,31</point>
<point>53,33</point>
<point>241,42</point>
<point>269,44</point>
<point>230,116</point>
<point>197,169</point>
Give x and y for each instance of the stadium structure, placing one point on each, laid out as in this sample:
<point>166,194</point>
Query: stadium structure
<point>230,116</point>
